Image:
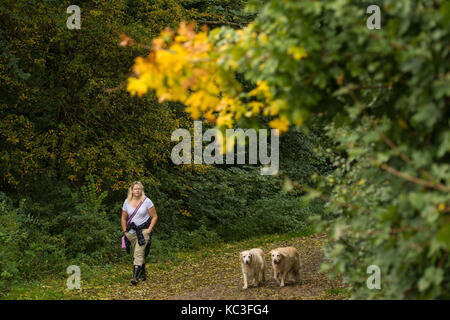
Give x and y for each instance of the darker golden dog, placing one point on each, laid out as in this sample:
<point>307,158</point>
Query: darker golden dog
<point>285,264</point>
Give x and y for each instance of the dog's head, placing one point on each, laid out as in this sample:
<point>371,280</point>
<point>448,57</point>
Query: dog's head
<point>276,256</point>
<point>246,257</point>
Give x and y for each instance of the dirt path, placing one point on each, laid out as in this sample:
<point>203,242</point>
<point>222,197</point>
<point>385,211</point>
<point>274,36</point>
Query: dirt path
<point>218,276</point>
<point>209,273</point>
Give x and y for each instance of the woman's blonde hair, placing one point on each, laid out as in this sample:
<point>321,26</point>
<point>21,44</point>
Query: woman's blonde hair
<point>130,191</point>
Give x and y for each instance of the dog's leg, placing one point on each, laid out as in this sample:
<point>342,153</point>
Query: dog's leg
<point>289,275</point>
<point>245,280</point>
<point>258,277</point>
<point>277,277</point>
<point>293,274</point>
<point>275,273</point>
<point>253,280</point>
<point>283,278</point>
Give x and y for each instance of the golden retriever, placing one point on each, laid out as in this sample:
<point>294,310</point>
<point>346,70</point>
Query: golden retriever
<point>285,262</point>
<point>253,266</point>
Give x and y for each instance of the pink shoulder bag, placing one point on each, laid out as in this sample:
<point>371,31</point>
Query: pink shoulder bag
<point>131,217</point>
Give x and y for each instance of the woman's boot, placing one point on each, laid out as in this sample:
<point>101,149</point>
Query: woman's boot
<point>136,270</point>
<point>142,275</point>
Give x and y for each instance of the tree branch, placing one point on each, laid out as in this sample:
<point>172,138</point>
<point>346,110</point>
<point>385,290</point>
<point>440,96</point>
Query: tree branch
<point>418,181</point>
<point>220,23</point>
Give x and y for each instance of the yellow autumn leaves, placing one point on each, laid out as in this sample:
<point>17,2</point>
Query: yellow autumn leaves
<point>181,68</point>
<point>187,67</point>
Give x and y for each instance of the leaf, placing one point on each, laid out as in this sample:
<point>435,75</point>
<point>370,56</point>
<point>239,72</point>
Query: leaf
<point>444,235</point>
<point>432,276</point>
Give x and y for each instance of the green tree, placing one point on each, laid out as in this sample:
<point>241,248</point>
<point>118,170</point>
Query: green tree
<point>382,96</point>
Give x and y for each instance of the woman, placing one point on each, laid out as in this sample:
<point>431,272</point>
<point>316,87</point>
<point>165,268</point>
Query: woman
<point>138,230</point>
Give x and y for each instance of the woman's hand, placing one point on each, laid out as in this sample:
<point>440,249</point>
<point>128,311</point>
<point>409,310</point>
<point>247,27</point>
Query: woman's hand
<point>154,217</point>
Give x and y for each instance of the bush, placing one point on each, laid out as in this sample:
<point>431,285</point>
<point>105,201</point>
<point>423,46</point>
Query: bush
<point>235,203</point>
<point>91,235</point>
<point>12,234</point>
<point>27,250</point>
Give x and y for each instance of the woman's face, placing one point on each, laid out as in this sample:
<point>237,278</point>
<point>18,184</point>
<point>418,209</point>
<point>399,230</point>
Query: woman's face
<point>137,190</point>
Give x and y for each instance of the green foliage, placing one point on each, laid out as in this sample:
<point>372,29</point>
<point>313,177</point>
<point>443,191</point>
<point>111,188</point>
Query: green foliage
<point>33,247</point>
<point>27,250</point>
<point>92,235</point>
<point>11,233</point>
<point>92,202</point>
<point>383,97</point>
<point>235,203</point>
<point>72,139</point>
<point>71,118</point>
<point>219,12</point>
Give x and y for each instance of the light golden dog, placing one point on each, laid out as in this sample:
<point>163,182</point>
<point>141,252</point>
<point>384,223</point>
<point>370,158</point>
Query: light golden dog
<point>253,266</point>
<point>285,264</point>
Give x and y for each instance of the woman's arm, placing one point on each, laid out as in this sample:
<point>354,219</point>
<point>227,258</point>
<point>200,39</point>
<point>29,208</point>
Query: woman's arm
<point>152,213</point>
<point>124,220</point>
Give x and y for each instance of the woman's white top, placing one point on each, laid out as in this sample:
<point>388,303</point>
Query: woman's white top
<point>141,216</point>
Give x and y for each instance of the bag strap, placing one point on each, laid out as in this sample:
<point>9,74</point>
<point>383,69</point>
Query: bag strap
<point>136,210</point>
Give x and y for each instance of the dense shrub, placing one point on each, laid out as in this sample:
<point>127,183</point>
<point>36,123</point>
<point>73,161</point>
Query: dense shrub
<point>236,203</point>
<point>91,234</point>
<point>12,234</point>
<point>27,249</point>
<point>383,95</point>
